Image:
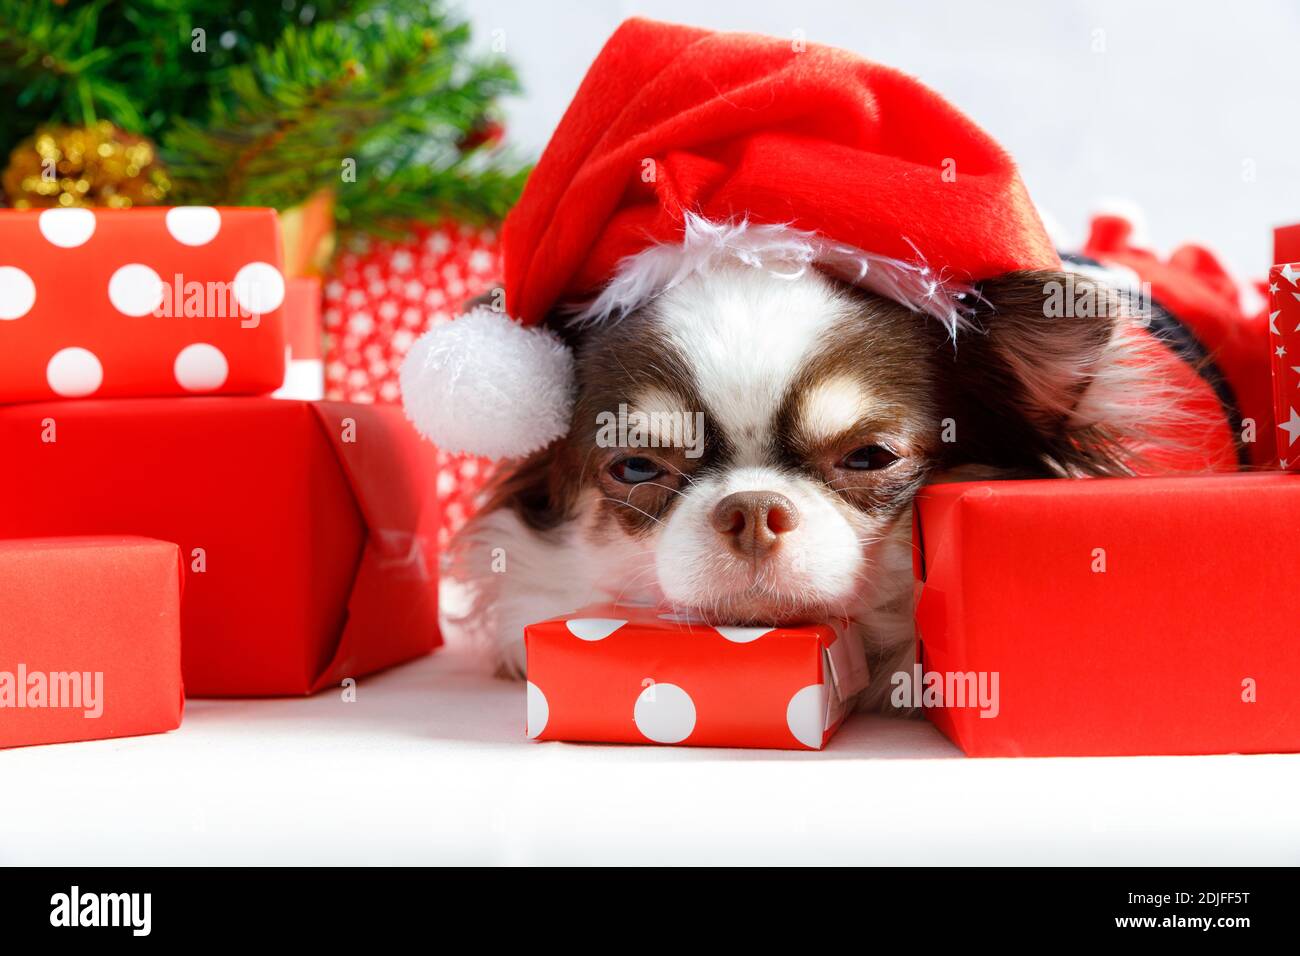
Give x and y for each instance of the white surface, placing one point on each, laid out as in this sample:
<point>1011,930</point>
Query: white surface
<point>1179,107</point>
<point>430,765</point>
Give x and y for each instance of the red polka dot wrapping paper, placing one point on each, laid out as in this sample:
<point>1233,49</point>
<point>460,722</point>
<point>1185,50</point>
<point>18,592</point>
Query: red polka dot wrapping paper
<point>380,297</point>
<point>622,674</point>
<point>1284,341</point>
<point>104,615</point>
<point>1120,616</point>
<point>131,302</point>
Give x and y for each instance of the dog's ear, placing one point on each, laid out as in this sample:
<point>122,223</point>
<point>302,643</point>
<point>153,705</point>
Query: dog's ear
<point>541,489</point>
<point>1052,331</point>
<point>1026,370</point>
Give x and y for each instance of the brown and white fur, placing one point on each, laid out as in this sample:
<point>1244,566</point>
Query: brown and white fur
<point>826,408</point>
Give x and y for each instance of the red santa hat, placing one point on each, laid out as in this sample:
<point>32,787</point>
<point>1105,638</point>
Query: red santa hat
<point>684,145</point>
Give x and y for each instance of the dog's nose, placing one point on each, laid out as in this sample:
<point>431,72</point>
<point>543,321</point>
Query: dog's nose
<point>753,521</point>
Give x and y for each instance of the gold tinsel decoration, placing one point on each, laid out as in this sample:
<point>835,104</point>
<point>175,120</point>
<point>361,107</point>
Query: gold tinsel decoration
<point>97,165</point>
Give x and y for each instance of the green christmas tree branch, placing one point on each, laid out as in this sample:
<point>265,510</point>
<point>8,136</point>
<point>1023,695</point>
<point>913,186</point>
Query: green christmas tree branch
<point>50,64</point>
<point>326,103</point>
<point>266,103</point>
<point>430,193</point>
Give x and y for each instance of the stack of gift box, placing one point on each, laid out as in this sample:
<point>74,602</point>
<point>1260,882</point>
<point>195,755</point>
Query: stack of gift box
<point>167,526</point>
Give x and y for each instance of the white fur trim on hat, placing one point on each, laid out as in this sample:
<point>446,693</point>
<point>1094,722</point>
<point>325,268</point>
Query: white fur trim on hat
<point>486,385</point>
<point>784,251</point>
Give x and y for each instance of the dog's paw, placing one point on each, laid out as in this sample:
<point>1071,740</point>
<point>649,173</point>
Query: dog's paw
<point>511,657</point>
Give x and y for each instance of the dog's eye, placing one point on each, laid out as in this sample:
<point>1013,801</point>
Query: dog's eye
<point>634,470</point>
<point>868,458</point>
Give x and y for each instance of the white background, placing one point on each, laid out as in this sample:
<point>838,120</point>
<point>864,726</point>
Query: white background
<point>1192,111</point>
<point>430,765</point>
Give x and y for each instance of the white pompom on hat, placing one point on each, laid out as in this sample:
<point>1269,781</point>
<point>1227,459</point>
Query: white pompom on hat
<point>487,385</point>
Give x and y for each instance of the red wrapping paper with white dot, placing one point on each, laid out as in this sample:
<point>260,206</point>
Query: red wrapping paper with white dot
<point>381,296</point>
<point>106,303</point>
<point>617,673</point>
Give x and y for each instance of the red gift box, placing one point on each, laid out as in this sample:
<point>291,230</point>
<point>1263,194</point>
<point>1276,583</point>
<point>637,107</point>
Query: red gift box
<point>621,674</point>
<point>147,301</point>
<point>1284,340</point>
<point>90,641</point>
<point>1286,243</point>
<point>384,294</point>
<point>1111,616</point>
<point>305,528</point>
<point>304,373</point>
<point>381,296</point>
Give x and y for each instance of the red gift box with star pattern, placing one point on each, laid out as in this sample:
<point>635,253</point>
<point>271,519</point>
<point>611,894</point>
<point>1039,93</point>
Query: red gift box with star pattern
<point>106,303</point>
<point>1284,340</point>
<point>616,673</point>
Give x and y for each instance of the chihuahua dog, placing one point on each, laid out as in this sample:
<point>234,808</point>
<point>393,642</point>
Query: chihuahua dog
<point>786,421</point>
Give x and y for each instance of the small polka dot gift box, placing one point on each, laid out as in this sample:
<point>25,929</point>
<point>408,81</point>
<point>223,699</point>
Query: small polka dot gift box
<point>1284,340</point>
<point>136,302</point>
<point>639,675</point>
